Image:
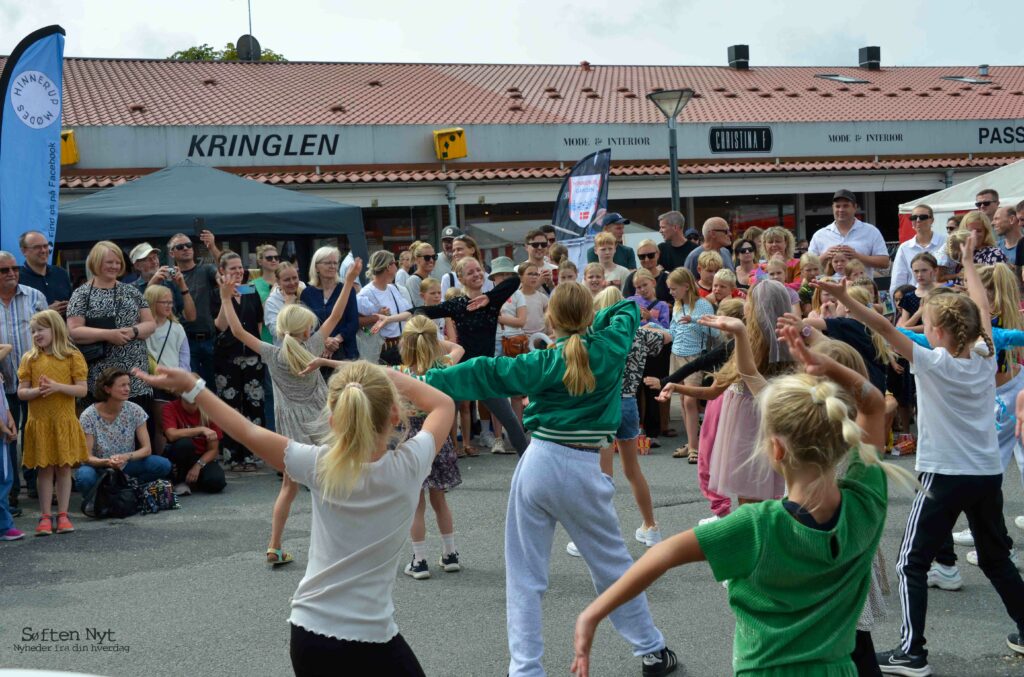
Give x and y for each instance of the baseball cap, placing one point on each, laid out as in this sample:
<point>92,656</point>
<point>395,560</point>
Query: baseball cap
<point>451,232</point>
<point>692,232</point>
<point>843,194</point>
<point>141,251</point>
<point>613,217</point>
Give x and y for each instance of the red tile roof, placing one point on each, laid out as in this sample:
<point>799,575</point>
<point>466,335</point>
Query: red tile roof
<point>156,92</point>
<point>84,181</point>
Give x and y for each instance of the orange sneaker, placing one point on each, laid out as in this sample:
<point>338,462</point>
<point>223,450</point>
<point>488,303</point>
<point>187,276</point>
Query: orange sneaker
<point>64,525</point>
<point>45,526</point>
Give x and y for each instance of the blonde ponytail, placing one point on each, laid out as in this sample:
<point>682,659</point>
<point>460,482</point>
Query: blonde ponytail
<point>571,310</point>
<point>294,321</point>
<point>360,398</point>
<point>419,347</point>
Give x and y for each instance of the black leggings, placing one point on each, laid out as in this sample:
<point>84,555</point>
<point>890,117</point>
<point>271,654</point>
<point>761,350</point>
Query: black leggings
<point>864,656</point>
<point>314,655</point>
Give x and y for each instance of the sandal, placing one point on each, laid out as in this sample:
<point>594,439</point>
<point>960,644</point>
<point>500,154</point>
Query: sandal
<point>471,451</point>
<point>681,452</point>
<point>277,557</point>
<point>669,432</point>
<point>694,455</point>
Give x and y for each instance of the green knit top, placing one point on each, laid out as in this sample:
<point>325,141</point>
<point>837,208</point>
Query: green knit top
<point>797,591</point>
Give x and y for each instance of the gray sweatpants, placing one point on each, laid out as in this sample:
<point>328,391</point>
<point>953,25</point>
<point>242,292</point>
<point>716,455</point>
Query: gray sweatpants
<point>552,484</point>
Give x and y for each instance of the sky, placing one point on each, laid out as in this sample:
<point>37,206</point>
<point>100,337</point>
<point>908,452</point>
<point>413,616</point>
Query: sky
<point>675,32</point>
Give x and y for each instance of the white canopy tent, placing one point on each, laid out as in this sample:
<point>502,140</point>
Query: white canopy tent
<point>1008,181</point>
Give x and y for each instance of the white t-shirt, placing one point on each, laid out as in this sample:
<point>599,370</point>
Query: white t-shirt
<point>371,300</point>
<point>511,309</point>
<point>536,304</point>
<point>617,274</point>
<point>356,544</point>
<point>956,419</point>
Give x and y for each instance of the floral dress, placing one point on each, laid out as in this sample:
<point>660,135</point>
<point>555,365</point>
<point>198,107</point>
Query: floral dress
<point>444,473</point>
<point>238,372</point>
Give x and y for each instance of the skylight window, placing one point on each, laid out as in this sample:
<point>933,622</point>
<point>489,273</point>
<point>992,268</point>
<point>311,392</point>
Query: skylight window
<point>846,79</point>
<point>968,80</point>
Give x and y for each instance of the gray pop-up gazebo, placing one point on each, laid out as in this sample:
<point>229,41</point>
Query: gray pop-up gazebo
<point>168,201</point>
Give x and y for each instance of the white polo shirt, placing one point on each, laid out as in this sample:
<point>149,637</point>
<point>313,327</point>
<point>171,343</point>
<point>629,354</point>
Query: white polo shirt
<point>901,273</point>
<point>863,238</point>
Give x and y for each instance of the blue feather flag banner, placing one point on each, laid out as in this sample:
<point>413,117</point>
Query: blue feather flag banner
<point>30,125</point>
<point>584,193</point>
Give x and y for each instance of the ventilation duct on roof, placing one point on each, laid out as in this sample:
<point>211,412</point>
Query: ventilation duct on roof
<point>983,69</point>
<point>739,57</point>
<point>870,58</point>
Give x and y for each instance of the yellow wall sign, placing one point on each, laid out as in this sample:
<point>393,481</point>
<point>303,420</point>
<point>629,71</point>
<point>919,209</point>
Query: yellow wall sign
<point>68,147</point>
<point>450,144</point>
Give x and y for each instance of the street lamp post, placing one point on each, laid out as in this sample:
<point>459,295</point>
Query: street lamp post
<point>671,103</point>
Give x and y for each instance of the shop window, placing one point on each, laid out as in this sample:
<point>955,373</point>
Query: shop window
<point>746,211</point>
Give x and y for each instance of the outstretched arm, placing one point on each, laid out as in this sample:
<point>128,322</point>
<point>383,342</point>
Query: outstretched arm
<point>339,306</point>
<point>881,326</point>
<point>227,311</point>
<point>744,355</point>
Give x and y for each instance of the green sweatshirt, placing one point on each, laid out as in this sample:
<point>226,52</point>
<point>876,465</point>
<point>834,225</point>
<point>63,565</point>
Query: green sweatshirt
<point>553,414</point>
<point>797,592</point>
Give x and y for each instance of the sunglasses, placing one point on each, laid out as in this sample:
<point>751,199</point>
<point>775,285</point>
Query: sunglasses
<point>745,250</point>
<point>950,229</point>
<point>182,247</point>
<point>538,245</point>
<point>427,257</point>
<point>8,270</point>
<point>920,217</point>
<point>271,257</point>
<point>724,231</point>
<point>983,203</point>
<point>645,257</point>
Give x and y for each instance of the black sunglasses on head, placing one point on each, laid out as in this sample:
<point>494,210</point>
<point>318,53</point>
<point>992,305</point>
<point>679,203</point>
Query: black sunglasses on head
<point>644,257</point>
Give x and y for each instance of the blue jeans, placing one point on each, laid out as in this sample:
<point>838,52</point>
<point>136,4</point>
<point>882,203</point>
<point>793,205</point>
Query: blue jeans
<point>19,410</point>
<point>144,470</point>
<point>201,353</point>
<point>6,477</point>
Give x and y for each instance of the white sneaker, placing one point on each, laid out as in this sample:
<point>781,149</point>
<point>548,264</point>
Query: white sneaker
<point>964,537</point>
<point>182,489</point>
<point>571,550</point>
<point>486,438</point>
<point>708,520</point>
<point>1019,521</point>
<point>648,537</point>
<point>972,558</point>
<point>944,577</point>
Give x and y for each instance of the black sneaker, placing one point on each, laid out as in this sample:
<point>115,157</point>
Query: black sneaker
<point>450,562</point>
<point>896,662</point>
<point>1016,642</point>
<point>418,570</point>
<point>660,663</point>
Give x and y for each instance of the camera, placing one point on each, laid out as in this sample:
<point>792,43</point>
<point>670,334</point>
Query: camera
<point>172,272</point>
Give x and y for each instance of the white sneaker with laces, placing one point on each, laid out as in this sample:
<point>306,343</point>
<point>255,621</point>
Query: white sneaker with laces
<point>499,447</point>
<point>486,438</point>
<point>708,520</point>
<point>648,536</point>
<point>641,534</point>
<point>182,489</point>
<point>964,537</point>
<point>571,550</point>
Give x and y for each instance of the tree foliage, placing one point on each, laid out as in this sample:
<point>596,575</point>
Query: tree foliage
<point>205,52</point>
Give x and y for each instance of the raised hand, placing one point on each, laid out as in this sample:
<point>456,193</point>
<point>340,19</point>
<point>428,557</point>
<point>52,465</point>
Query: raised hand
<point>814,363</point>
<point>730,325</point>
<point>478,303</point>
<point>167,378</point>
<point>353,271</point>
<point>836,289</point>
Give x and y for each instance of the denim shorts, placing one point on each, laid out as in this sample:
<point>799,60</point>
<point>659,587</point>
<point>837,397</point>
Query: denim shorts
<point>629,426</point>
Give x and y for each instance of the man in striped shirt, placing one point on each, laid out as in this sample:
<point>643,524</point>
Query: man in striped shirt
<point>18,303</point>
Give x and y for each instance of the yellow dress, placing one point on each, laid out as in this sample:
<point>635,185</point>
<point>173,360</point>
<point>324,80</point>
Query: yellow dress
<point>53,436</point>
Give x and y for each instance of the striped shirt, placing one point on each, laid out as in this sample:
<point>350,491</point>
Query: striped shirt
<point>14,319</point>
<point>690,338</point>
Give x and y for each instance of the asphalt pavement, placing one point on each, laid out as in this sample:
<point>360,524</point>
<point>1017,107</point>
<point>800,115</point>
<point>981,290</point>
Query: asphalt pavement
<point>187,592</point>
